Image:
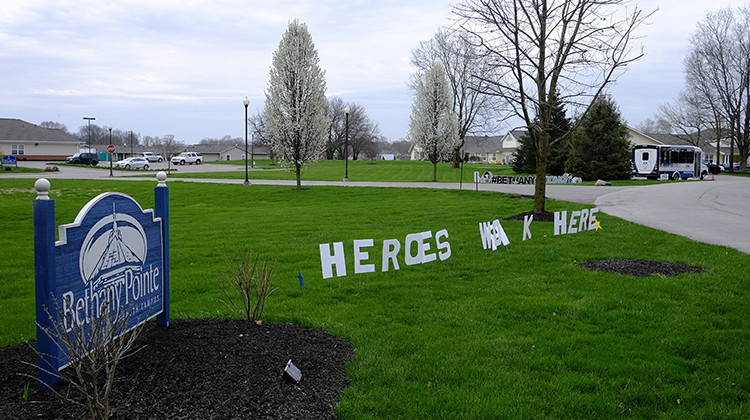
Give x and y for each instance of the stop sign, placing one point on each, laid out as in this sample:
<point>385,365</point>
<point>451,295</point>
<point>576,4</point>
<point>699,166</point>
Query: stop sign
<point>111,148</point>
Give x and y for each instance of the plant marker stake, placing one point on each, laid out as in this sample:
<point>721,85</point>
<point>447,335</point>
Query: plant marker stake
<point>301,283</point>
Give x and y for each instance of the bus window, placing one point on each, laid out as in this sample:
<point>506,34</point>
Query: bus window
<point>645,155</point>
<point>686,156</point>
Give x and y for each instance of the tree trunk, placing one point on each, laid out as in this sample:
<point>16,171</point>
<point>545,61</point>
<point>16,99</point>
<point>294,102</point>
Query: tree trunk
<point>540,186</point>
<point>298,171</point>
<point>457,158</point>
<point>434,172</point>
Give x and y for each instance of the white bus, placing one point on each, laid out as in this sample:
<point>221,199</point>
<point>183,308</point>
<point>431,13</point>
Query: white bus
<point>668,162</point>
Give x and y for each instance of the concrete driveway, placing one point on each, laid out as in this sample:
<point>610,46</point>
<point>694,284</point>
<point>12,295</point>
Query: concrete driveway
<point>715,212</point>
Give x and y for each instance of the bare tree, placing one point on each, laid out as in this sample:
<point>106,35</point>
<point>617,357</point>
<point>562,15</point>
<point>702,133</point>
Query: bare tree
<point>655,126</point>
<point>335,109</point>
<point>690,116</point>
<point>718,70</point>
<point>53,125</point>
<point>477,111</point>
<point>539,47</point>
<point>363,132</point>
<point>167,146</point>
<point>257,130</point>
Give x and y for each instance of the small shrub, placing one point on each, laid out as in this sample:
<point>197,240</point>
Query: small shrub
<point>247,284</point>
<point>94,355</point>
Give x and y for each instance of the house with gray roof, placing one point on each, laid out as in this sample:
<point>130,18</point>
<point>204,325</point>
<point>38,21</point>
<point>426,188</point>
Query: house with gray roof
<point>27,141</point>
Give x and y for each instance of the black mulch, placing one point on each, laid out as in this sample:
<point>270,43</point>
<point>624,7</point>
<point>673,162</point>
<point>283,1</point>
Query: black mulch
<point>201,369</point>
<point>545,216</point>
<point>640,268</point>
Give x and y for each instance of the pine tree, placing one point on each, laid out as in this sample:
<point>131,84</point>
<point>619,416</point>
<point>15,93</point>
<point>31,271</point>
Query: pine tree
<point>600,148</point>
<point>525,155</point>
<point>295,115</point>
<point>434,125</point>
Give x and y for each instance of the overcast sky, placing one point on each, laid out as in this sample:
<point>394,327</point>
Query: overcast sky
<point>184,67</point>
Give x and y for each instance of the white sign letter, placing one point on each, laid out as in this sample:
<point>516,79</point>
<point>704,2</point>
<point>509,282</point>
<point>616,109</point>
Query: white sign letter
<point>327,261</point>
<point>526,224</point>
<point>410,239</point>
<point>426,247</point>
<point>391,248</point>
<point>560,219</point>
<point>444,247</point>
<point>360,256</point>
<point>573,227</point>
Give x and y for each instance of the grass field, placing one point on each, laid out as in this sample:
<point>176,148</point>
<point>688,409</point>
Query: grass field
<point>522,332</point>
<point>368,171</point>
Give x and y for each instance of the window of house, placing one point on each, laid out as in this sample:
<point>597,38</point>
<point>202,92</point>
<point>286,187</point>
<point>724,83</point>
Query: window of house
<point>16,149</point>
<point>229,157</point>
<point>494,157</point>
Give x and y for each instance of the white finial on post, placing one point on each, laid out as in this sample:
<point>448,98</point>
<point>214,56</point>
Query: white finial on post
<point>42,188</point>
<point>161,176</point>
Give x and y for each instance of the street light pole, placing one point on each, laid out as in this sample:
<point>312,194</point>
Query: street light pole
<point>110,155</point>
<point>346,145</point>
<point>246,102</point>
<point>89,120</point>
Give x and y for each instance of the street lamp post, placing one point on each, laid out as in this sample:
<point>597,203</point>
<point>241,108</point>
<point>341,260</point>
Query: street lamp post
<point>346,145</point>
<point>110,155</point>
<point>89,120</point>
<point>246,102</point>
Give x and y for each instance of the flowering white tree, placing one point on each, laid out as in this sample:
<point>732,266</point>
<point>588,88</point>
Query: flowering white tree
<point>434,125</point>
<point>295,114</point>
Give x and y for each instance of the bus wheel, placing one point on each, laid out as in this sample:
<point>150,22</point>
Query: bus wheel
<point>676,176</point>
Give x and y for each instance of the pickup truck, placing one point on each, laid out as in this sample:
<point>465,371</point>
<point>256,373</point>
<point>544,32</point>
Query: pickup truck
<point>187,157</point>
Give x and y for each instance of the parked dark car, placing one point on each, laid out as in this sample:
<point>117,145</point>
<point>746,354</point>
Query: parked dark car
<point>713,168</point>
<point>83,158</point>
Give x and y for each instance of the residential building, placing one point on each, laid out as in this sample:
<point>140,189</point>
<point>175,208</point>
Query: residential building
<point>27,141</point>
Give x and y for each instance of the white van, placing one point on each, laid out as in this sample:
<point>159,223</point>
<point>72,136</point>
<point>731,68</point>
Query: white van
<point>668,162</point>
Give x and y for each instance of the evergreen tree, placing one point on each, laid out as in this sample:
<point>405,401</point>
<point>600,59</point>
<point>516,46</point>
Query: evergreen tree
<point>295,116</point>
<point>434,125</point>
<point>599,147</point>
<point>525,155</point>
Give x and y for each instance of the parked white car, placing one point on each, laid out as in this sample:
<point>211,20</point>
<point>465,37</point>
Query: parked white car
<point>132,163</point>
<point>187,157</point>
<point>151,157</point>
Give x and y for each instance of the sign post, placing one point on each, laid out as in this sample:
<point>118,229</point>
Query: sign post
<point>110,149</point>
<point>114,255</point>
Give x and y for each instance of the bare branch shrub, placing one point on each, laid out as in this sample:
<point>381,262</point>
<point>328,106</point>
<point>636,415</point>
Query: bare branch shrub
<point>247,283</point>
<point>94,354</point>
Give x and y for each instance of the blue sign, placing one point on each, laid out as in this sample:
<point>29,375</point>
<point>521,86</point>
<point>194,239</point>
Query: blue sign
<point>9,160</point>
<point>114,253</point>
<point>111,253</point>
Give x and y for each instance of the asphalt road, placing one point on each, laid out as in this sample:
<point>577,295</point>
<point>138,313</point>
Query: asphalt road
<point>715,212</point>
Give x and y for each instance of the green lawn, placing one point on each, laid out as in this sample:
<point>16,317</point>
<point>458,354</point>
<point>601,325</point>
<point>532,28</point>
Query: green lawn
<point>521,332</point>
<point>371,171</point>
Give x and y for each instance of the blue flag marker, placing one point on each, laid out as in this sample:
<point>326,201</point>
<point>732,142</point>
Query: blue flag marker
<point>301,283</point>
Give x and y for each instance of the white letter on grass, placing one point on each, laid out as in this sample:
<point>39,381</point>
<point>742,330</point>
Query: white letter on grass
<point>327,261</point>
<point>360,256</point>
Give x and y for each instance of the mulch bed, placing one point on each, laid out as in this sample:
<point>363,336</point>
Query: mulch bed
<point>640,268</point>
<point>545,216</point>
<point>200,369</point>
